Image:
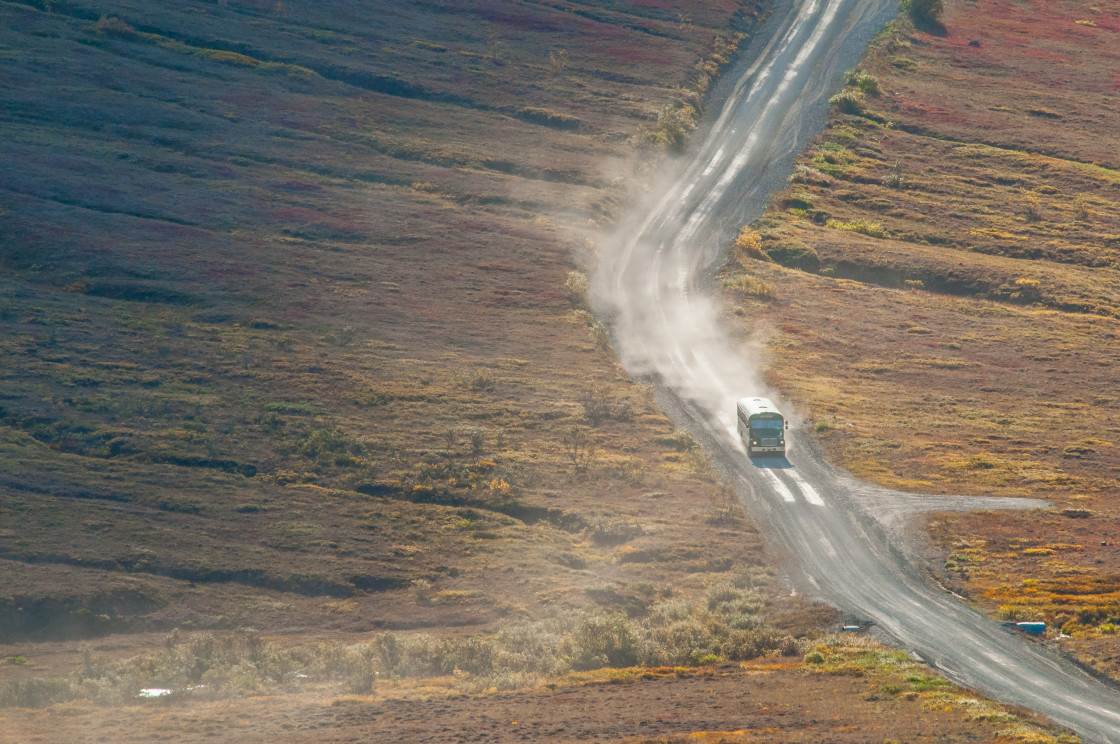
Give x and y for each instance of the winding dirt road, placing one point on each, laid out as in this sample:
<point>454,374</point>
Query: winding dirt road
<point>836,538</point>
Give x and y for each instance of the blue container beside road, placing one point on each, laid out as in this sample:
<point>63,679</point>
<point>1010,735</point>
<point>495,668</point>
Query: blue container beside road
<point>1033,628</point>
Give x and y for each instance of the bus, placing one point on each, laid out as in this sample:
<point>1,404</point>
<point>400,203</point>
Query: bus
<point>762,427</point>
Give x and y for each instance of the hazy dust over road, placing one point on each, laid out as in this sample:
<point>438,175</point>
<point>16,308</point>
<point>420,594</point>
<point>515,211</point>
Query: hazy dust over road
<point>651,281</point>
<point>837,539</point>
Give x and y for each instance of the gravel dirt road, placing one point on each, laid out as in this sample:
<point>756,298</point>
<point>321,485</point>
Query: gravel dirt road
<point>838,539</point>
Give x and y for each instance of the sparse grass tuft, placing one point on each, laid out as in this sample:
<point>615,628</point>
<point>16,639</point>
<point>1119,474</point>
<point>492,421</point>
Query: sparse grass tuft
<point>863,227</point>
<point>750,285</point>
<point>849,102</point>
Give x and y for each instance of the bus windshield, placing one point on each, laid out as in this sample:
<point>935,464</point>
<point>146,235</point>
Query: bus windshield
<point>766,424</point>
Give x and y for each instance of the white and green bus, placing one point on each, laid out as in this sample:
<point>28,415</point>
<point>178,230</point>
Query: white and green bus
<point>762,427</point>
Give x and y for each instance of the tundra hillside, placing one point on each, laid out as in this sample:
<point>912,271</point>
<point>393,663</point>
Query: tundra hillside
<point>294,344</point>
<point>951,320</point>
<point>289,335</point>
<point>300,398</point>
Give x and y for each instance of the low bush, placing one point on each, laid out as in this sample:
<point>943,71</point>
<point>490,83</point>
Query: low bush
<point>803,173</point>
<point>863,227</point>
<point>923,11</point>
<point>864,82</point>
<point>893,179</point>
<point>748,245</point>
<point>794,254</point>
<point>849,102</point>
<point>36,693</point>
<point>614,531</point>
<point>674,123</point>
<point>599,406</point>
<point>724,625</point>
<point>481,380</point>
<point>576,286</point>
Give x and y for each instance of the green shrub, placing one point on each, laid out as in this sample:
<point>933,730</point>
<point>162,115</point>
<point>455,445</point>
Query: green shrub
<point>865,82</point>
<point>922,682</point>
<point>849,102</point>
<point>794,254</point>
<point>803,173</point>
<point>798,200</point>
<point>601,641</point>
<point>36,693</point>
<point>674,122</point>
<point>923,11</point>
<point>863,227</point>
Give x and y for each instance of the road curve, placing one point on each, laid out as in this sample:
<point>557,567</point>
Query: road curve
<point>833,534</point>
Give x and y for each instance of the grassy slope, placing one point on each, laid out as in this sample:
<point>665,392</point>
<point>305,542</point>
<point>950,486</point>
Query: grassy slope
<point>285,325</point>
<point>275,286</point>
<point>962,333</point>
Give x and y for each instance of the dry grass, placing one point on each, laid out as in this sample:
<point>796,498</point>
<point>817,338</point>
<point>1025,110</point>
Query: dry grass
<point>770,699</point>
<point>273,339</point>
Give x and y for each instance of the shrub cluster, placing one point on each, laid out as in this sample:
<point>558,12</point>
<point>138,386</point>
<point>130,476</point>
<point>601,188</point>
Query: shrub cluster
<point>723,625</point>
<point>794,254</point>
<point>923,11</point>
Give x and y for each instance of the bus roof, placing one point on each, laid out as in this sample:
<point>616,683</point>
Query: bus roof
<point>754,406</point>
